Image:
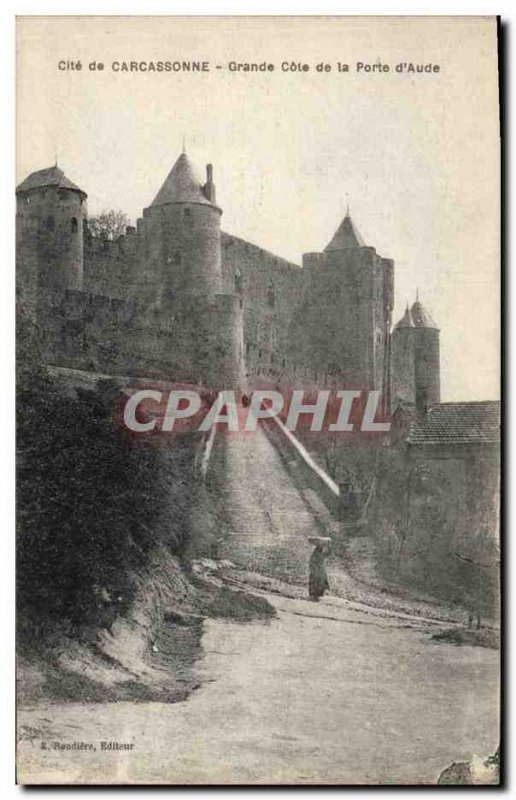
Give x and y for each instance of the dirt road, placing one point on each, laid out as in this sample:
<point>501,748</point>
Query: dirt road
<point>323,694</point>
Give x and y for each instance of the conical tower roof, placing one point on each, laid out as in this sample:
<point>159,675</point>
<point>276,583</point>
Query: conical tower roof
<point>181,185</point>
<point>406,321</point>
<point>50,176</point>
<point>346,236</point>
<point>421,317</point>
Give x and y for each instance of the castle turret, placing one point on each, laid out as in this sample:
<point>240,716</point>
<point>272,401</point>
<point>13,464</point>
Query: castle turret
<point>183,277</point>
<point>49,230</point>
<point>415,358</point>
<point>182,235</point>
<point>343,327</point>
<point>403,381</point>
<point>427,358</point>
<point>346,236</point>
<point>406,321</point>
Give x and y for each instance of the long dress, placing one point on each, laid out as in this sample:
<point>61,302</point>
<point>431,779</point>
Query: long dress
<point>318,580</point>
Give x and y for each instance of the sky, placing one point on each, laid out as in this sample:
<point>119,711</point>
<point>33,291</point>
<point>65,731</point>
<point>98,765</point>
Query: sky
<point>416,156</point>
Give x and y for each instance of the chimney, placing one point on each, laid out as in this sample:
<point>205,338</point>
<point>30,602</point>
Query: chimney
<point>209,186</point>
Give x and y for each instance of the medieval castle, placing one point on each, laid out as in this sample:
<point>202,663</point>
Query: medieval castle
<point>178,298</point>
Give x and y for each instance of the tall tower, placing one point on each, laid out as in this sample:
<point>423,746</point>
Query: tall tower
<point>50,211</point>
<point>342,328</point>
<point>182,235</point>
<point>416,369</point>
<point>182,281</point>
<point>426,358</point>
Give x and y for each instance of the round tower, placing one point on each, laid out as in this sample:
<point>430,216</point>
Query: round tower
<point>427,361</point>
<point>416,366</point>
<point>182,235</point>
<point>403,381</point>
<point>50,211</point>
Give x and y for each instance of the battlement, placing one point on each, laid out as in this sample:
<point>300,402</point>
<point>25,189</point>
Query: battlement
<point>229,240</point>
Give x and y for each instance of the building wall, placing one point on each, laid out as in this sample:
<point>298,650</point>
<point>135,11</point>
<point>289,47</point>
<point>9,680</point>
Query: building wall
<point>269,288</point>
<point>317,325</point>
<point>435,520</point>
<point>340,330</point>
<point>321,325</point>
<point>196,340</point>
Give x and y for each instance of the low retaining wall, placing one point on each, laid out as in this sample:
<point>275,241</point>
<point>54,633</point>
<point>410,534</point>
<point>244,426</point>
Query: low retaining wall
<point>308,477</point>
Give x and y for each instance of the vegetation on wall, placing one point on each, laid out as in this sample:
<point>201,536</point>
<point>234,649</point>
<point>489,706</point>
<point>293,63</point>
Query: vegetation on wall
<point>108,224</point>
<point>92,497</point>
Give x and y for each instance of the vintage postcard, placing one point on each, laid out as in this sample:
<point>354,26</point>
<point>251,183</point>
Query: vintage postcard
<point>258,400</point>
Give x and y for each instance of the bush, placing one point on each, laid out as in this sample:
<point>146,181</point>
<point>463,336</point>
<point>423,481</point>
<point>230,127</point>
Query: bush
<point>93,498</point>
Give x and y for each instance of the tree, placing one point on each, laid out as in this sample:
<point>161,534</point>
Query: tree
<point>109,224</point>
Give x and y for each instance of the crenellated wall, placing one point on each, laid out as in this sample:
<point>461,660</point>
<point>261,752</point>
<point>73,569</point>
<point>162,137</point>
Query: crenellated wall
<point>112,267</point>
<point>322,324</point>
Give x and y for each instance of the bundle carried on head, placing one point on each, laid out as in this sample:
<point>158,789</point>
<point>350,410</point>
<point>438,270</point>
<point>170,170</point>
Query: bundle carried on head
<point>319,539</point>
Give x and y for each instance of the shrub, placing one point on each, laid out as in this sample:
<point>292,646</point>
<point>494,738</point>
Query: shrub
<point>93,498</point>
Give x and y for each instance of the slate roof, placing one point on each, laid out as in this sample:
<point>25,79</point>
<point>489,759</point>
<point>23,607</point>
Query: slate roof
<point>346,236</point>
<point>420,316</point>
<point>458,423</point>
<point>416,317</point>
<point>50,176</point>
<point>181,185</point>
<point>406,321</point>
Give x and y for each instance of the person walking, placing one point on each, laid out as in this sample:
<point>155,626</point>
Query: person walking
<point>318,579</point>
